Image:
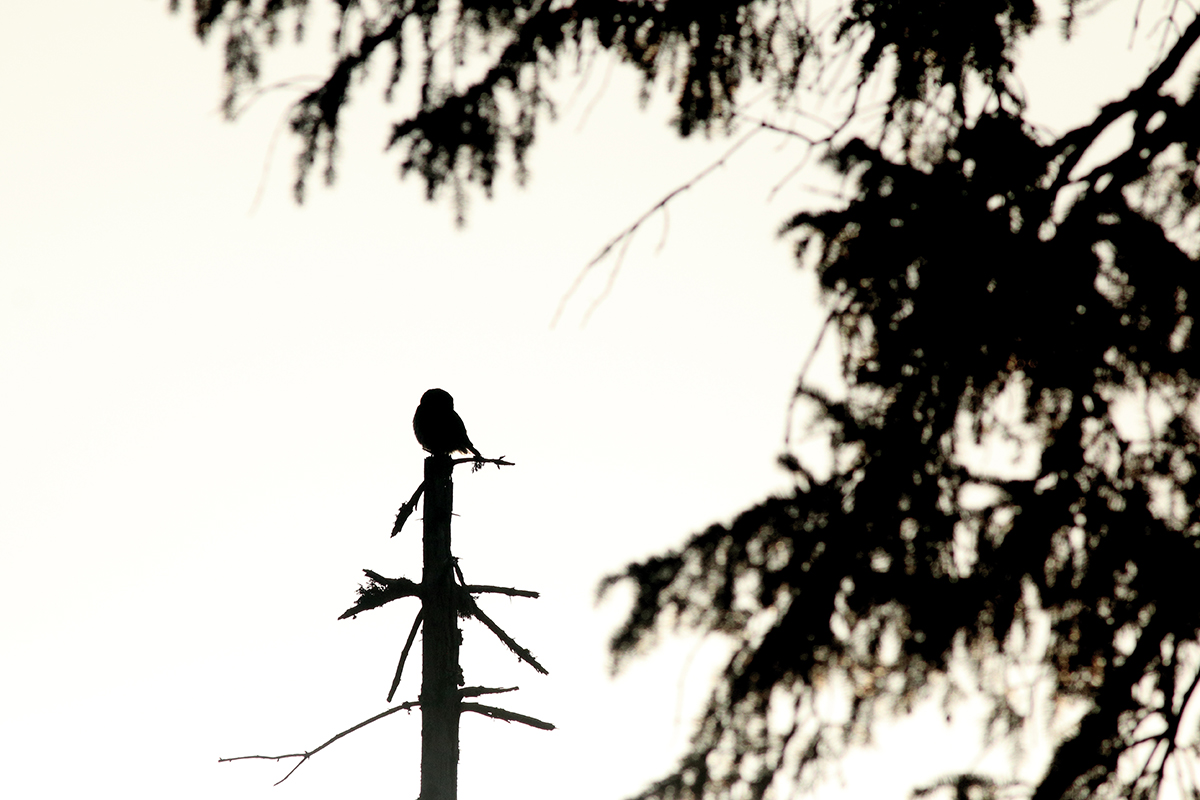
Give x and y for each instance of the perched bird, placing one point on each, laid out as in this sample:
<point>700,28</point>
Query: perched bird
<point>438,427</point>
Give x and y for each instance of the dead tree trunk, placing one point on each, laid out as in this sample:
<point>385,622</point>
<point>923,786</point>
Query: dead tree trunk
<point>440,639</point>
<point>445,596</point>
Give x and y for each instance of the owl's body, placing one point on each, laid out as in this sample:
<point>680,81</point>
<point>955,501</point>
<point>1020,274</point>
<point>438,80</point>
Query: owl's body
<point>438,427</point>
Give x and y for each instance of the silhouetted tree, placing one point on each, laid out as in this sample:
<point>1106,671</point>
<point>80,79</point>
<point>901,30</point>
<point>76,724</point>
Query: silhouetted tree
<point>973,259</point>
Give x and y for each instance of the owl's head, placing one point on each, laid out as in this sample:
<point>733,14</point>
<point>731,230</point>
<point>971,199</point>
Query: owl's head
<point>437,398</point>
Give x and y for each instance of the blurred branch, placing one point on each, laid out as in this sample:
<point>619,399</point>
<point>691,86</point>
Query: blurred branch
<point>1073,144</point>
<point>626,235</point>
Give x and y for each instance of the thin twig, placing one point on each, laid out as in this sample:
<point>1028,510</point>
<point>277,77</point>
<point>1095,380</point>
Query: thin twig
<point>262,91</point>
<point>412,635</point>
<point>587,111</point>
<point>479,462</point>
<point>612,279</point>
<point>261,189</point>
<point>662,241</point>
<point>762,123</point>
<point>624,235</point>
<point>787,435</point>
<point>507,716</point>
<point>307,755</point>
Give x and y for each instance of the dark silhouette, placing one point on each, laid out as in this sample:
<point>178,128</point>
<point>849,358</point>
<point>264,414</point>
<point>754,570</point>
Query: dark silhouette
<point>445,598</point>
<point>973,257</point>
<point>438,427</point>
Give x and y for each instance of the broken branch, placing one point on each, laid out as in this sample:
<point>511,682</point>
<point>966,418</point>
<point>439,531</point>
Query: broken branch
<point>475,691</point>
<point>379,591</point>
<point>412,634</point>
<point>470,606</point>
<point>507,716</point>
<point>407,509</point>
<point>481,589</point>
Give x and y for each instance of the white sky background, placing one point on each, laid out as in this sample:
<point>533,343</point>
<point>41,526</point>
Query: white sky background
<point>205,417</point>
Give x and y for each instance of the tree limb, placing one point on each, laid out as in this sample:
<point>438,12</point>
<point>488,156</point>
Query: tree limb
<point>483,589</point>
<point>412,635</point>
<point>379,591</point>
<point>1074,143</point>
<point>309,754</point>
<point>507,716</point>
<point>475,691</point>
<point>469,605</point>
<point>407,509</point>
<point>478,462</point>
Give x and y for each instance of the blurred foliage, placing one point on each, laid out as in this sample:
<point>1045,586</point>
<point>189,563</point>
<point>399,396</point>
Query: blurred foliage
<point>982,286</point>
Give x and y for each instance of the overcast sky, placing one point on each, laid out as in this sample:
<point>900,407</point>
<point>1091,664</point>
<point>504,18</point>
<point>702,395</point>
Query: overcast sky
<point>206,394</point>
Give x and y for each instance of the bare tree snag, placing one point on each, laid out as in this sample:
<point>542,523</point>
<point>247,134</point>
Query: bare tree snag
<point>445,596</point>
<point>440,672</point>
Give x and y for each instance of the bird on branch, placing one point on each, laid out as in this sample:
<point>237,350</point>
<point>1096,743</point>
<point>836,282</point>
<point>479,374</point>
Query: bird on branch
<point>438,427</point>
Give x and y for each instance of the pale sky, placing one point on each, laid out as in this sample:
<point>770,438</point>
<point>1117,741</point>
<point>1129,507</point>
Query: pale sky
<point>206,404</point>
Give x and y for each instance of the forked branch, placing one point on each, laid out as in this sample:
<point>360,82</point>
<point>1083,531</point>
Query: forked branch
<point>305,756</point>
<point>623,238</point>
<point>478,462</point>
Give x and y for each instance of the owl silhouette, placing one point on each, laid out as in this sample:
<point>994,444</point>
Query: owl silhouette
<point>438,427</point>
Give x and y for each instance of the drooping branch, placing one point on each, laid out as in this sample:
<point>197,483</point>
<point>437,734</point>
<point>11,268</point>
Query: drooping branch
<point>379,591</point>
<point>507,716</point>
<point>305,756</point>
<point>468,605</point>
<point>316,114</point>
<point>412,635</point>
